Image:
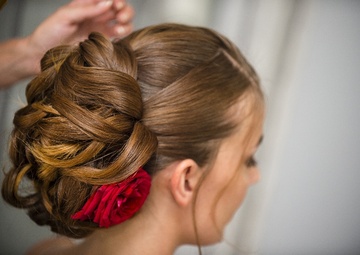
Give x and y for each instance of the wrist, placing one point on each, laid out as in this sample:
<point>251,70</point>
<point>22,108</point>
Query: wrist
<point>32,54</point>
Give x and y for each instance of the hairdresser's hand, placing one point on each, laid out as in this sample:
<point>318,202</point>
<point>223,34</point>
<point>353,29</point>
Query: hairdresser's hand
<point>20,57</point>
<point>74,21</point>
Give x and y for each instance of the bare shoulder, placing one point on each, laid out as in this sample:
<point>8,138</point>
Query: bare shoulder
<point>54,246</point>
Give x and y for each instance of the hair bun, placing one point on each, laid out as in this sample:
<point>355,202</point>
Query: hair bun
<point>82,127</point>
<point>119,56</point>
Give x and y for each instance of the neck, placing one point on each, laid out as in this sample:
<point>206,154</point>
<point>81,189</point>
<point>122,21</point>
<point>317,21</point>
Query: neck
<point>141,235</point>
<point>158,228</point>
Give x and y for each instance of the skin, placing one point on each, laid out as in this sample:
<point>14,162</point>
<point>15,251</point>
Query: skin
<point>234,171</point>
<point>168,212</point>
<point>71,23</point>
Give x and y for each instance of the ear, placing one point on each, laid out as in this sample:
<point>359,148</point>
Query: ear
<point>184,180</point>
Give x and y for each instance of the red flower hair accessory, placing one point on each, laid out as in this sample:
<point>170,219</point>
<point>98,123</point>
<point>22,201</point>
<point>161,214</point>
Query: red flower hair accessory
<point>114,203</point>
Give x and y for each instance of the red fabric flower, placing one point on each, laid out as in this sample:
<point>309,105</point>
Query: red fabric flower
<point>114,203</point>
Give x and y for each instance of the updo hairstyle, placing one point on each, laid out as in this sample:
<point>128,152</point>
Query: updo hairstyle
<point>100,110</point>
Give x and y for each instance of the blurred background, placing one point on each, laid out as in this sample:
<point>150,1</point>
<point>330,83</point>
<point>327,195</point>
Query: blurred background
<point>307,54</point>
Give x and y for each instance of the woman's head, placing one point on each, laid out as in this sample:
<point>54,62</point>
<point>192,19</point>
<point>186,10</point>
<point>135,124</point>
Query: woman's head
<point>100,110</point>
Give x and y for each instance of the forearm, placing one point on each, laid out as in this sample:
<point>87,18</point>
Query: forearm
<point>17,61</point>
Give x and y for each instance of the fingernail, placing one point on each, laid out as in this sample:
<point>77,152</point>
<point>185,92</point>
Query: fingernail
<point>105,3</point>
<point>120,30</point>
<point>120,5</point>
<point>124,17</point>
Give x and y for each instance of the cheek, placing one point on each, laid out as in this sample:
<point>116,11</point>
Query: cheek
<point>253,176</point>
<point>221,209</point>
<point>230,201</point>
<point>234,195</point>
<point>218,200</point>
<point>214,208</point>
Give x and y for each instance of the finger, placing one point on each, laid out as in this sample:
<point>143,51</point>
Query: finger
<point>125,15</point>
<point>123,30</point>
<point>119,4</point>
<point>84,1</point>
<point>118,31</point>
<point>80,13</point>
<point>105,17</point>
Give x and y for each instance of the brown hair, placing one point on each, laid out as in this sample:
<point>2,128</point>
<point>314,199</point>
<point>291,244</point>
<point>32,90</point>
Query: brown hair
<point>100,110</point>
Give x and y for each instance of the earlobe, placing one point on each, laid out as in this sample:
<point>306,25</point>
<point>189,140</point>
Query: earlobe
<point>184,181</point>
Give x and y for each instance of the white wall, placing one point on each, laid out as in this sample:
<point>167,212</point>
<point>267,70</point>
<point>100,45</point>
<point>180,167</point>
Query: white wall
<point>315,208</point>
<point>308,55</point>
